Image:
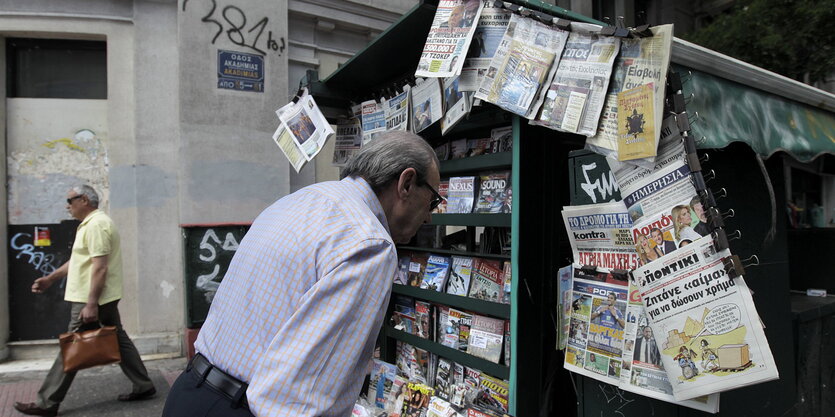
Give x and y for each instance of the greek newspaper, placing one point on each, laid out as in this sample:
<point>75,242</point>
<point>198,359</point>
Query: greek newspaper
<point>488,33</point>
<point>457,103</point>
<point>647,192</point>
<point>373,120</point>
<point>396,110</point>
<point>427,103</point>
<point>641,61</point>
<point>711,338</point>
<point>601,235</point>
<point>348,140</point>
<point>522,65</point>
<point>302,131</point>
<point>575,97</point>
<point>670,150</point>
<point>449,38</point>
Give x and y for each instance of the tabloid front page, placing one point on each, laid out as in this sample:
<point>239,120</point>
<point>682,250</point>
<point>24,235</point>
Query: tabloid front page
<point>373,120</point>
<point>457,103</point>
<point>648,192</point>
<point>396,110</point>
<point>710,336</point>
<point>348,140</point>
<point>601,235</point>
<point>670,150</point>
<point>576,95</point>
<point>488,33</point>
<point>302,131</point>
<point>522,65</point>
<point>641,61</point>
<point>449,38</point>
<point>427,104</point>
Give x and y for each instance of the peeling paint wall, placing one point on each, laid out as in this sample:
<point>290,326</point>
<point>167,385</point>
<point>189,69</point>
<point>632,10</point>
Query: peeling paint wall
<point>53,144</point>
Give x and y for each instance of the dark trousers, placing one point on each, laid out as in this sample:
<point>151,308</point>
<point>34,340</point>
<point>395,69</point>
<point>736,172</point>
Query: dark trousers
<point>190,396</point>
<point>57,382</point>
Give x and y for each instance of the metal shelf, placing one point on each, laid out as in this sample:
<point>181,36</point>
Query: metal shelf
<point>455,252</point>
<point>472,219</point>
<point>490,308</point>
<point>455,355</point>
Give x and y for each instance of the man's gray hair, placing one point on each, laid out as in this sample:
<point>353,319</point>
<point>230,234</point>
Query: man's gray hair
<point>383,160</point>
<point>89,192</point>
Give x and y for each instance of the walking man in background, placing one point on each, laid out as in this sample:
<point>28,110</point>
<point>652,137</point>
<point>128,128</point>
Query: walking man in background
<point>94,288</point>
<point>292,327</point>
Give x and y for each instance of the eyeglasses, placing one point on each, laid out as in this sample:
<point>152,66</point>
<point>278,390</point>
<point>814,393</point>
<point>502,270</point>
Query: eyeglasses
<point>436,200</point>
<point>70,200</point>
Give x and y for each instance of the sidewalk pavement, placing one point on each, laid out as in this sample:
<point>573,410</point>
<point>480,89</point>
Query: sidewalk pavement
<point>93,392</point>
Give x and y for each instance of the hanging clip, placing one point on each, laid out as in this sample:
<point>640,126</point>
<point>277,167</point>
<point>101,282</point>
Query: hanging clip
<point>692,160</point>
<point>622,275</point>
<point>733,266</point>
<point>715,218</point>
<point>620,28</point>
<point>676,102</point>
<point>299,95</point>
<point>683,122</point>
<point>609,29</point>
<point>709,197</point>
<point>736,234</point>
<point>563,24</point>
<point>720,240</point>
<point>642,31</point>
<point>674,81</point>
<point>589,269</point>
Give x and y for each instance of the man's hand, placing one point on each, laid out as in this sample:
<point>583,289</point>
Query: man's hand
<point>89,313</point>
<point>41,284</point>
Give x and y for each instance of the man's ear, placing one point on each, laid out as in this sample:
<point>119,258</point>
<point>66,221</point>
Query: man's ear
<point>406,182</point>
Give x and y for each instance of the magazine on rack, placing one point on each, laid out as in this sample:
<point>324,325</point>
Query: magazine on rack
<point>436,273</point>
<point>576,95</point>
<point>373,120</point>
<point>417,267</point>
<point>488,33</point>
<point>426,103</point>
<point>459,276</point>
<point>302,130</point>
<point>601,235</point>
<point>464,327</point>
<point>449,38</point>
<point>487,282</point>
<point>461,195</point>
<point>522,65</point>
<point>486,334</point>
<point>711,337</point>
<point>348,140</point>
<point>641,61</point>
<point>423,320</point>
<point>494,193</point>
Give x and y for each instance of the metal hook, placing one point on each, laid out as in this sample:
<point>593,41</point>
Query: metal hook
<point>694,119</point>
<point>704,158</point>
<point>728,214</point>
<point>689,98</point>
<point>736,234</point>
<point>752,260</point>
<point>722,193</point>
<point>709,175</point>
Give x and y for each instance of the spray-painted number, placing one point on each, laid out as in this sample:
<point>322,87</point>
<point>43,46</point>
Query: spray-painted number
<point>233,21</point>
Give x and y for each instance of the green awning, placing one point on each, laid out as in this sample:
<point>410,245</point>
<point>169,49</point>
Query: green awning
<point>731,112</point>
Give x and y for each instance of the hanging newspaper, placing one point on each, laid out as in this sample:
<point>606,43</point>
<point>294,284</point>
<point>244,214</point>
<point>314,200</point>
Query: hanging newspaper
<point>457,104</point>
<point>649,191</point>
<point>713,338</point>
<point>682,224</point>
<point>601,235</point>
<point>449,38</point>
<point>302,130</point>
<point>595,335</point>
<point>488,33</point>
<point>522,65</point>
<point>563,306</point>
<point>396,110</point>
<point>576,95</point>
<point>642,371</point>
<point>641,61</point>
<point>373,120</point>
<point>670,150</point>
<point>427,104</point>
<point>348,140</point>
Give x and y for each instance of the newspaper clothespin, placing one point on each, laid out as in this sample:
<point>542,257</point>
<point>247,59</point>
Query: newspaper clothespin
<point>589,269</point>
<point>621,31</point>
<point>299,95</point>
<point>542,17</point>
<point>715,219</point>
<point>697,180</point>
<point>642,31</point>
<point>622,274</point>
<point>676,102</point>
<point>693,163</point>
<point>674,81</point>
<point>689,143</point>
<point>708,197</point>
<point>609,29</point>
<point>683,122</point>
<point>720,240</point>
<point>560,23</point>
<point>733,266</point>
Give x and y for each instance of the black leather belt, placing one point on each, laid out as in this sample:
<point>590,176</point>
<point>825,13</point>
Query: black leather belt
<point>231,387</point>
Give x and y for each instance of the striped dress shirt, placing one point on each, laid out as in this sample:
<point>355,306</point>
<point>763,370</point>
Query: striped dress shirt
<point>299,309</point>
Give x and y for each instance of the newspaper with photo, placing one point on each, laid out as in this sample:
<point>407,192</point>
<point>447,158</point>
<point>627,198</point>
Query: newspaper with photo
<point>672,229</point>
<point>426,103</point>
<point>396,110</point>
<point>563,305</point>
<point>449,38</point>
<point>373,120</point>
<point>522,65</point>
<point>488,33</point>
<point>648,192</point>
<point>302,131</point>
<point>601,235</point>
<point>348,140</point>
<point>576,95</point>
<point>642,371</point>
<point>670,150</point>
<point>596,331</point>
<point>457,104</point>
<point>641,61</point>
<point>710,336</point>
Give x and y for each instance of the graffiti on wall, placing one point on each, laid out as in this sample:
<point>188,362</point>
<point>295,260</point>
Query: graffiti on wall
<point>232,23</point>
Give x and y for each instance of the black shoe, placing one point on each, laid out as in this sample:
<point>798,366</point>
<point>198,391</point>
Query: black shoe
<point>32,409</point>
<point>137,396</point>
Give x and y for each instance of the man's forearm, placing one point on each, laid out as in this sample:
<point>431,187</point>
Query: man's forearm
<point>60,272</point>
<point>97,280</point>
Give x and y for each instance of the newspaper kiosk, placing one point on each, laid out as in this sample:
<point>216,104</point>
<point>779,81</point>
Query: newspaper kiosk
<point>745,114</point>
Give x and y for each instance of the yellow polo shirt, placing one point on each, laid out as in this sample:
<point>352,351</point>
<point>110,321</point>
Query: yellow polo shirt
<point>96,236</point>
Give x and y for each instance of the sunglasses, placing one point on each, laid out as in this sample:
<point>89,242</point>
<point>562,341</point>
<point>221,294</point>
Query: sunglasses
<point>436,199</point>
<point>70,200</point>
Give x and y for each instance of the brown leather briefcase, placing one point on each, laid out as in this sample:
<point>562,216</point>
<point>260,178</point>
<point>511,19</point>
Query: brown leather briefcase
<point>82,350</point>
